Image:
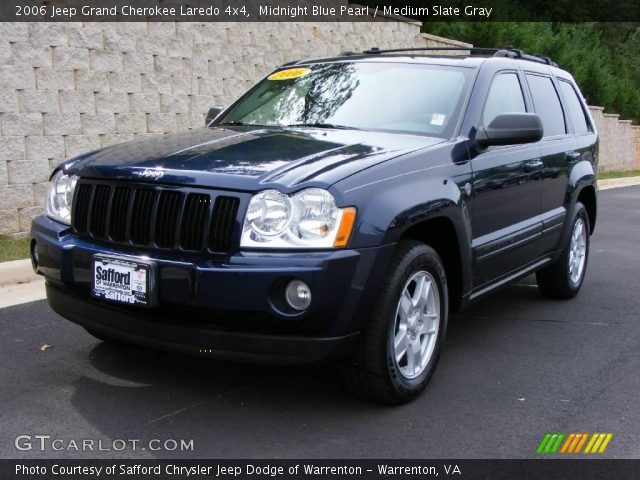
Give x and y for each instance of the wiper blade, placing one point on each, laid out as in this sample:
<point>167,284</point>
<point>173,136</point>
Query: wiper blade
<point>233,124</point>
<point>322,125</point>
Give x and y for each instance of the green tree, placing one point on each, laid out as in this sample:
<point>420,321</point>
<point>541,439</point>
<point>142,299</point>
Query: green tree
<point>604,58</point>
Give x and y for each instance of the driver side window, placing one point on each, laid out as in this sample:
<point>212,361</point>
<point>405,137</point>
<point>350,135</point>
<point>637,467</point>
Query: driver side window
<point>505,96</point>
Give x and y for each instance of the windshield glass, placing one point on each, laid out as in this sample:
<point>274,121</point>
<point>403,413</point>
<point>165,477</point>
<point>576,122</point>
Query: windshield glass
<point>395,97</point>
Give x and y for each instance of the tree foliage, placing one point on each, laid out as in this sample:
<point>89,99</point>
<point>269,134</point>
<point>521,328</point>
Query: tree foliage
<point>604,58</point>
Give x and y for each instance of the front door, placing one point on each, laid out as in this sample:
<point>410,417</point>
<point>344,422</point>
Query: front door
<point>507,193</point>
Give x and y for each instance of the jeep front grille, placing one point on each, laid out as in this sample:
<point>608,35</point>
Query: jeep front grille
<point>155,216</point>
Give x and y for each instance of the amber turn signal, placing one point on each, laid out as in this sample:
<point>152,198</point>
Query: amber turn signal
<point>346,226</point>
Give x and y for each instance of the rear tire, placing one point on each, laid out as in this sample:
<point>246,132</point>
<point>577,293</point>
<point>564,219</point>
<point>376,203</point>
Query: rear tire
<point>563,278</point>
<point>400,346</point>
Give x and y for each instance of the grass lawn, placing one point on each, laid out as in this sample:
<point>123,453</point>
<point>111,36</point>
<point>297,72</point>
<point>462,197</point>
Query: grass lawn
<point>13,249</point>
<point>608,175</point>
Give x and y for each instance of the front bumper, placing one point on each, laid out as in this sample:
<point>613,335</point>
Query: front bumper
<point>228,306</point>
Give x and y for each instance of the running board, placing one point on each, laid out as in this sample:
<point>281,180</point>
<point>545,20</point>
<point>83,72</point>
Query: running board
<point>510,278</point>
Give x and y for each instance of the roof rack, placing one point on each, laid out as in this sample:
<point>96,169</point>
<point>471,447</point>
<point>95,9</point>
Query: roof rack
<point>506,52</point>
<point>376,50</point>
<point>510,52</point>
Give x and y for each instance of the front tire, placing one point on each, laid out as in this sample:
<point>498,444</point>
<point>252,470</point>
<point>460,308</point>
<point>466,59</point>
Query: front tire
<point>400,346</point>
<point>563,279</point>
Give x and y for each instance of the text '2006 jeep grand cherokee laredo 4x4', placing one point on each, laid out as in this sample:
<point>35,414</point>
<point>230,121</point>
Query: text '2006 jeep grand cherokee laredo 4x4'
<point>341,208</point>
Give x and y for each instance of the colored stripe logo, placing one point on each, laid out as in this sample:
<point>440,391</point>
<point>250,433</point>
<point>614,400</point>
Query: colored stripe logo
<point>573,443</point>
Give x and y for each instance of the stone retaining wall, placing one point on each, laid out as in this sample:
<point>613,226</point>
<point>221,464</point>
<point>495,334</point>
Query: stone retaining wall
<point>636,133</point>
<point>619,142</point>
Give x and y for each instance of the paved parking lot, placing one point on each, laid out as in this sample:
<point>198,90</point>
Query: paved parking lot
<point>515,366</point>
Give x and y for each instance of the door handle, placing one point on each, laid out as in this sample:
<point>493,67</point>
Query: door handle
<point>533,165</point>
<point>572,156</point>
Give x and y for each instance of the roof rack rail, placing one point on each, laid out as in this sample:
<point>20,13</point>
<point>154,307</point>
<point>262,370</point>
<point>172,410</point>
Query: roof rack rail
<point>507,52</point>
<point>376,50</point>
<point>547,60</point>
<point>510,52</point>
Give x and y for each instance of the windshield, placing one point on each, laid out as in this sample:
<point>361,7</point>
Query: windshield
<point>395,97</point>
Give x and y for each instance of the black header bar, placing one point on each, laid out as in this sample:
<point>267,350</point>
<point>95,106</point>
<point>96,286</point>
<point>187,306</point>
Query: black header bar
<point>317,10</point>
<point>318,469</point>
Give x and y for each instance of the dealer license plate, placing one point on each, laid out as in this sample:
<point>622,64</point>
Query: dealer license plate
<point>121,280</point>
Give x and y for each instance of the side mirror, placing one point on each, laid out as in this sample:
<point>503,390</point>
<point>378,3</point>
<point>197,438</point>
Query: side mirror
<point>511,129</point>
<point>212,114</point>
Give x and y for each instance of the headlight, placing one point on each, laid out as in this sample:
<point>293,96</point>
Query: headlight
<point>308,219</point>
<point>60,195</point>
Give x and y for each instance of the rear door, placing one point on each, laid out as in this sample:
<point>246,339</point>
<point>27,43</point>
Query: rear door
<point>557,149</point>
<point>581,126</point>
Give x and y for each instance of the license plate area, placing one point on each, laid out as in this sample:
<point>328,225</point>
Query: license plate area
<point>122,280</point>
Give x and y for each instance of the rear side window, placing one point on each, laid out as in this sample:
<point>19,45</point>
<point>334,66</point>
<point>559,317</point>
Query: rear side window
<point>505,96</point>
<point>576,112</point>
<point>547,105</point>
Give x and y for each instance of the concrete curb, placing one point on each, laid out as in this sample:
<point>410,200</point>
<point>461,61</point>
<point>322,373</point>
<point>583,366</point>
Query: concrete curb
<point>20,271</point>
<point>16,272</point>
<point>17,294</point>
<point>618,182</point>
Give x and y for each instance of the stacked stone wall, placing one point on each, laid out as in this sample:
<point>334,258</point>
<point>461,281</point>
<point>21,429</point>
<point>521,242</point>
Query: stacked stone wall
<point>619,142</point>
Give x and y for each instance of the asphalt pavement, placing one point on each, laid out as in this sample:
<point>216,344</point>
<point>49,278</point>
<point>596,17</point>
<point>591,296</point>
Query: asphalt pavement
<point>515,366</point>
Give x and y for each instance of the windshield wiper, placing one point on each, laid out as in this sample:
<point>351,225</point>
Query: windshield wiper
<point>321,125</point>
<point>313,125</point>
<point>233,124</point>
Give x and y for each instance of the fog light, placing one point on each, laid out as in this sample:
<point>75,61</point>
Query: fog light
<point>298,295</point>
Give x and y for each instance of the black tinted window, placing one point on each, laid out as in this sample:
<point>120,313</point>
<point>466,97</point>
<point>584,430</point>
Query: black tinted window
<point>578,117</point>
<point>547,105</point>
<point>505,96</point>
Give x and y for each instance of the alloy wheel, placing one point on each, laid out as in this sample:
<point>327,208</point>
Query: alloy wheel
<point>417,321</point>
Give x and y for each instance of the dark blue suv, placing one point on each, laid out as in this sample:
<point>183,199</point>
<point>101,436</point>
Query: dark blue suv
<point>340,209</point>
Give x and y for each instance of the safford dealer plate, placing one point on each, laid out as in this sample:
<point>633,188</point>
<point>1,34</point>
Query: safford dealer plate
<point>121,280</point>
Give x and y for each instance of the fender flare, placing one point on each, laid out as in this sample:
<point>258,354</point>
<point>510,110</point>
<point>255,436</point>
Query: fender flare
<point>438,198</point>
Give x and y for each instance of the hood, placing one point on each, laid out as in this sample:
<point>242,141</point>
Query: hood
<point>247,158</point>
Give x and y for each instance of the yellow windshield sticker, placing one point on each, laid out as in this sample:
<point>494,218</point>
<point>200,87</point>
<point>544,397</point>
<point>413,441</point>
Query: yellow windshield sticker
<point>289,74</point>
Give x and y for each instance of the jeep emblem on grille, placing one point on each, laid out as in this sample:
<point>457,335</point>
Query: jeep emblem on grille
<point>151,173</point>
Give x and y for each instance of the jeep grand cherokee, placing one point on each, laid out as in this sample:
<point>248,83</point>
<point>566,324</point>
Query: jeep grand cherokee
<point>341,208</point>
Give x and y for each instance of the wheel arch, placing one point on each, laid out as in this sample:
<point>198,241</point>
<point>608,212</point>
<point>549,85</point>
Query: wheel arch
<point>441,234</point>
<point>582,186</point>
<point>587,196</point>
<point>420,205</point>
